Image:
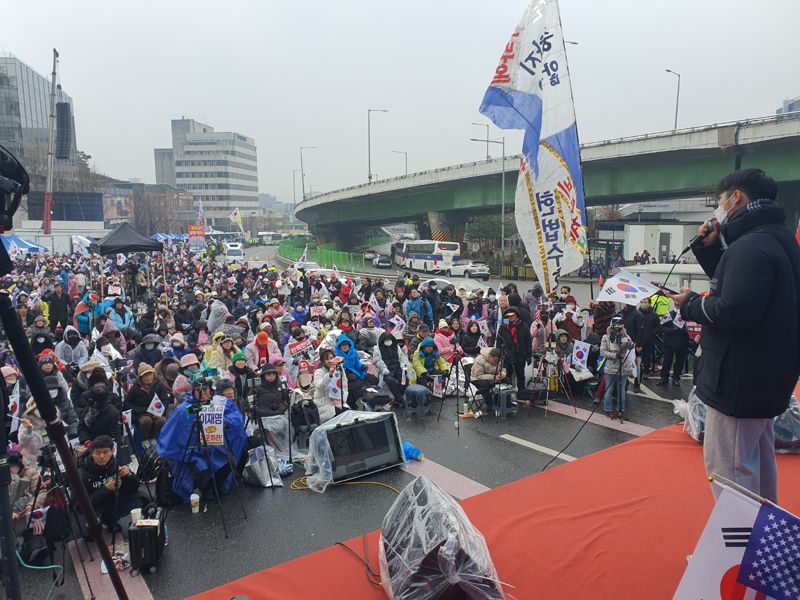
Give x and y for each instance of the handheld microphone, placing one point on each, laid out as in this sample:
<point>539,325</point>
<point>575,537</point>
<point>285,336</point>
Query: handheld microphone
<point>697,241</point>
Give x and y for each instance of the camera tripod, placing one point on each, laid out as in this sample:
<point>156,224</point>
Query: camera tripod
<point>46,461</point>
<point>549,372</point>
<point>256,418</point>
<point>455,367</point>
<point>202,445</point>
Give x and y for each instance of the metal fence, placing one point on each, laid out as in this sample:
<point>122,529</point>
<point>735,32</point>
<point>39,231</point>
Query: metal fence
<point>323,256</point>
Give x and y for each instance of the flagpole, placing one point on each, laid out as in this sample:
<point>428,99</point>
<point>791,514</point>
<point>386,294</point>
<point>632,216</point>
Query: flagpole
<point>580,160</point>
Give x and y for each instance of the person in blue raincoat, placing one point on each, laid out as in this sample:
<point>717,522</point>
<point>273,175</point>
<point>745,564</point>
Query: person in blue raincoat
<point>195,475</point>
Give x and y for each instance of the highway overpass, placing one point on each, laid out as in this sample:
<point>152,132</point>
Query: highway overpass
<point>673,164</point>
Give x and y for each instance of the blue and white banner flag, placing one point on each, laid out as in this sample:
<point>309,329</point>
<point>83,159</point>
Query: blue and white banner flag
<point>531,91</point>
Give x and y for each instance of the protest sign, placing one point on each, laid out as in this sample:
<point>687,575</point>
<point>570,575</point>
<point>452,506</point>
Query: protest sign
<point>212,418</point>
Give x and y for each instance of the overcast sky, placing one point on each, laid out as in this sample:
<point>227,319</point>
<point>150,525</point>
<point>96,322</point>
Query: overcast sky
<point>298,73</point>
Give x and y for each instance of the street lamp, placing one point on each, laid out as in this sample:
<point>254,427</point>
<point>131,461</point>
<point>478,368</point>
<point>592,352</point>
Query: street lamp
<point>677,96</point>
<point>369,141</point>
<point>487,138</point>
<point>404,154</point>
<point>502,142</point>
<point>302,170</point>
<point>294,185</point>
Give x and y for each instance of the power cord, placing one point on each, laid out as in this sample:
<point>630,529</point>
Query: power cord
<point>44,568</point>
<point>300,484</point>
<point>619,374</point>
<point>372,576</point>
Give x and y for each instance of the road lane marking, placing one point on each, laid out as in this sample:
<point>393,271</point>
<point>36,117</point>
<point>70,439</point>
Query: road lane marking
<point>598,419</point>
<point>537,447</point>
<point>455,484</point>
<point>648,393</point>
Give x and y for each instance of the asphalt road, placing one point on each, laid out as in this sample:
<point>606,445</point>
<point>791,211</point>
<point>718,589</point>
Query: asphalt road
<point>582,290</point>
<point>283,524</point>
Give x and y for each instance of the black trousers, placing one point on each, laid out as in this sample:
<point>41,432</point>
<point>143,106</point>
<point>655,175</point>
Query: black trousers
<point>516,372</point>
<point>678,357</point>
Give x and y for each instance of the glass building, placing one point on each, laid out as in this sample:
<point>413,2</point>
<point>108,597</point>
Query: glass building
<point>25,113</point>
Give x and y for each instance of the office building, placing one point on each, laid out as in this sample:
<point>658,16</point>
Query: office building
<point>218,168</point>
<point>790,105</point>
<point>25,116</point>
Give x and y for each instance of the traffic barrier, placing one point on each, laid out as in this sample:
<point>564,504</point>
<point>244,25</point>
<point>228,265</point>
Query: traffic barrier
<point>324,256</point>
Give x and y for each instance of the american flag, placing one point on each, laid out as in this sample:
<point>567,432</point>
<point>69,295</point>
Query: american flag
<point>771,561</point>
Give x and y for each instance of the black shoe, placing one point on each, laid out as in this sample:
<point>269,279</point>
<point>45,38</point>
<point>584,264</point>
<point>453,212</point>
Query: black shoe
<point>661,383</point>
<point>637,389</point>
<point>676,383</point>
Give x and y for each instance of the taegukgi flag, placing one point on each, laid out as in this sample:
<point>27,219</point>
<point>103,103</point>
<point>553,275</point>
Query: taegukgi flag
<point>531,91</point>
<point>715,567</point>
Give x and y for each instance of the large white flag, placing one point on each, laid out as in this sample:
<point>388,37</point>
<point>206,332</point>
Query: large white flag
<point>714,566</point>
<point>531,90</point>
<point>625,287</point>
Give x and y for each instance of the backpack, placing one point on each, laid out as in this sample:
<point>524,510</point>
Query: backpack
<point>164,494</point>
<point>34,550</point>
<point>376,397</point>
<point>304,414</point>
<point>149,465</point>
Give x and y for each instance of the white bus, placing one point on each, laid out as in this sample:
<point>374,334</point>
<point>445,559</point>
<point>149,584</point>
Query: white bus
<point>429,256</point>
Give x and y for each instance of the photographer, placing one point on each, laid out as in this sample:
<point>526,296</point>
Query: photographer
<point>615,347</point>
<point>102,477</point>
<point>180,441</point>
<point>750,319</point>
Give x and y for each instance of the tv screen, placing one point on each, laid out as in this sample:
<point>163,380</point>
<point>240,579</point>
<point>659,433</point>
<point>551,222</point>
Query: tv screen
<point>364,447</point>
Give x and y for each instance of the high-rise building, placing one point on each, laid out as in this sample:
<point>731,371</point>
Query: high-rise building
<point>25,115</point>
<point>218,168</point>
<point>790,105</point>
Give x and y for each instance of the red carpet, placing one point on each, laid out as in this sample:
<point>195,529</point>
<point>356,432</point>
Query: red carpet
<point>614,525</point>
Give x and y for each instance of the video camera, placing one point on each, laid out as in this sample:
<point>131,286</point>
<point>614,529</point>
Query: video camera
<point>14,184</point>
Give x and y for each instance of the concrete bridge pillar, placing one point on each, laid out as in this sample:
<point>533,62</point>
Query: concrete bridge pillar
<point>447,227</point>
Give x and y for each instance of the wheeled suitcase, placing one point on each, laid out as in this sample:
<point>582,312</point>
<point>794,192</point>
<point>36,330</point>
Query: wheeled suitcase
<point>146,540</point>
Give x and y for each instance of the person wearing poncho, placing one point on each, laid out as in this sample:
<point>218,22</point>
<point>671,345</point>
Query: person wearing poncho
<point>196,473</point>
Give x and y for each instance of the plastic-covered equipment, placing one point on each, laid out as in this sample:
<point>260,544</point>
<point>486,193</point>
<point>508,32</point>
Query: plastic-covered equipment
<point>429,549</point>
<point>787,429</point>
<point>371,440</point>
<point>693,413</point>
<point>277,430</point>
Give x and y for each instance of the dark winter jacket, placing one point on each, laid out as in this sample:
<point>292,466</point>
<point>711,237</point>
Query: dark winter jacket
<point>649,327</point>
<point>138,399</point>
<point>271,399</point>
<point>750,342</point>
<point>516,340</point>
<point>675,336</point>
<point>183,321</point>
<point>94,478</point>
<point>633,320</point>
<point>103,421</point>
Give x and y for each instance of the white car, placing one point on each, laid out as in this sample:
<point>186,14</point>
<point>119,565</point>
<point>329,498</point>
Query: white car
<point>468,268</point>
<point>234,255</point>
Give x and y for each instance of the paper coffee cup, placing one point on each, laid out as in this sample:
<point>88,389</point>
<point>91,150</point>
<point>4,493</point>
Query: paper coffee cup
<point>136,514</point>
<point>194,499</point>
